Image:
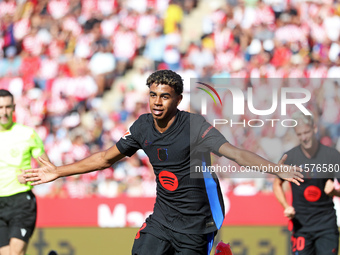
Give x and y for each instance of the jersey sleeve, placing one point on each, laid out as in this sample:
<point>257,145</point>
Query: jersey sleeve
<point>36,145</point>
<point>206,137</point>
<point>128,144</point>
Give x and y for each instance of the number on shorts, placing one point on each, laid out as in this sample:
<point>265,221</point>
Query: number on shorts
<point>138,233</point>
<point>298,243</point>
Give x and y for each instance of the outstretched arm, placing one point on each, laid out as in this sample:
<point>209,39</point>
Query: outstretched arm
<point>96,161</point>
<point>45,157</point>
<point>21,177</point>
<point>250,159</point>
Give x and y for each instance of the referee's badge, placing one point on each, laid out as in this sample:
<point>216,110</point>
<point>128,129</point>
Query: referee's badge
<point>23,232</point>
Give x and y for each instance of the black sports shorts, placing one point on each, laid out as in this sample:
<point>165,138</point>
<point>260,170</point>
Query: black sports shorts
<point>324,242</point>
<point>153,238</point>
<point>18,215</point>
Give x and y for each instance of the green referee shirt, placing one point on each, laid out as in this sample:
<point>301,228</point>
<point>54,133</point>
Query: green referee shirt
<point>17,146</point>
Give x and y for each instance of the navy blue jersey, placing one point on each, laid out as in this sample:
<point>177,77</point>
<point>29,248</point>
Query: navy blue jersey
<point>183,204</point>
<point>314,209</point>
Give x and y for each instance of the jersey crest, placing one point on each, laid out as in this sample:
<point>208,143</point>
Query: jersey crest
<point>162,154</point>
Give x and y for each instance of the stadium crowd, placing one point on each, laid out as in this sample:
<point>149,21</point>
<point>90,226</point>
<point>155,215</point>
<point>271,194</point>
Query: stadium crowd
<point>78,67</point>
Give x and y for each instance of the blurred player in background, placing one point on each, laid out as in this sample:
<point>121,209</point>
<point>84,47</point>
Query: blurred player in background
<point>18,209</point>
<point>315,229</point>
<point>188,211</point>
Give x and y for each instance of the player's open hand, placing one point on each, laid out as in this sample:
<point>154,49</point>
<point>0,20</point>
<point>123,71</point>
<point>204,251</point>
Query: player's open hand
<point>290,173</point>
<point>41,175</point>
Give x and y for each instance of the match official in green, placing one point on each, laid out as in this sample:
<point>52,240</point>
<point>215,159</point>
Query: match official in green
<point>18,210</point>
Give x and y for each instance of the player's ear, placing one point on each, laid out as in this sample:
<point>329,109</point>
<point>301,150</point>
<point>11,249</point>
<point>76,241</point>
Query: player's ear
<point>179,99</point>
<point>315,129</point>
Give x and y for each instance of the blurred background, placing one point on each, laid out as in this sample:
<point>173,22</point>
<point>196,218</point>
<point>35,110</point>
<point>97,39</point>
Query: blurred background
<point>78,71</point>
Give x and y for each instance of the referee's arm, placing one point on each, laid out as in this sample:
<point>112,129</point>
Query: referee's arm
<point>45,157</point>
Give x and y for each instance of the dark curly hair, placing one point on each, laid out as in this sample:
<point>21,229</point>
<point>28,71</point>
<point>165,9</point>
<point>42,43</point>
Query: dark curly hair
<point>166,77</point>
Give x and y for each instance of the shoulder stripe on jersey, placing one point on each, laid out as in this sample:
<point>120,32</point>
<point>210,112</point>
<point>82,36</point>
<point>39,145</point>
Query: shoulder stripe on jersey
<point>127,133</point>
